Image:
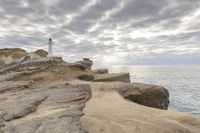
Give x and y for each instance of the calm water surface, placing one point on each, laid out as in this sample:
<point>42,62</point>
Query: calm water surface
<point>183,83</point>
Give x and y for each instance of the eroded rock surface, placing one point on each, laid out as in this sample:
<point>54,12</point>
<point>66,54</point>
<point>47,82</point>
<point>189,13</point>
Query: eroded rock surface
<point>145,94</point>
<point>84,65</point>
<point>47,95</point>
<point>100,71</point>
<point>28,106</point>
<point>122,77</point>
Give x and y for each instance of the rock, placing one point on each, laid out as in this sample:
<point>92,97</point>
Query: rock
<point>26,58</point>
<point>86,59</point>
<point>146,94</point>
<point>122,77</point>
<point>15,53</point>
<point>58,108</point>
<point>6,60</point>
<point>85,77</point>
<point>100,71</point>
<point>110,113</point>
<point>30,57</point>
<point>27,106</point>
<point>15,86</point>
<point>14,56</point>
<point>41,53</point>
<point>84,65</point>
<point>41,95</point>
<point>88,63</point>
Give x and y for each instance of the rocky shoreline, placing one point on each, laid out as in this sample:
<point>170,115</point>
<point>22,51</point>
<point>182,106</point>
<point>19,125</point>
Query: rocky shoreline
<point>48,95</point>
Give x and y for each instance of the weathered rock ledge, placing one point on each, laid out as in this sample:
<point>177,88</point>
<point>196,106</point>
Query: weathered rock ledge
<point>48,95</point>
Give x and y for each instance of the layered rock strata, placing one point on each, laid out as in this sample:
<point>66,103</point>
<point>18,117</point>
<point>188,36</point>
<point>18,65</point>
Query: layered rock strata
<point>48,95</point>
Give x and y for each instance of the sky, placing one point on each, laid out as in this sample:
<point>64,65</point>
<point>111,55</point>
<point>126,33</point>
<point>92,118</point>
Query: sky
<point>110,32</point>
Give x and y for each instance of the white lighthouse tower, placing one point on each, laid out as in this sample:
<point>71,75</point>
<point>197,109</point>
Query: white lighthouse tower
<point>50,53</point>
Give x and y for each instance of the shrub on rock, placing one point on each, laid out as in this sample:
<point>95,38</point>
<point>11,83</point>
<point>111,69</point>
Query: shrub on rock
<point>41,53</point>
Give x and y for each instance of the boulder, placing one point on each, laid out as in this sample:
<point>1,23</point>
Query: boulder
<point>146,94</point>
<point>84,65</point>
<point>100,71</point>
<point>88,63</point>
<point>122,77</point>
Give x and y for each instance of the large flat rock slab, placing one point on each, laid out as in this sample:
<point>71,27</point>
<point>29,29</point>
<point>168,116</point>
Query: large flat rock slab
<point>110,113</point>
<point>113,77</point>
<point>14,85</point>
<point>55,109</point>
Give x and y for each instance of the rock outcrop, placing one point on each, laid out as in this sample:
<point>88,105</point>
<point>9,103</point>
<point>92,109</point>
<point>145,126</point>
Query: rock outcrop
<point>7,56</point>
<point>146,94</point>
<point>84,65</point>
<point>100,71</point>
<point>12,52</point>
<point>47,110</point>
<point>28,106</point>
<point>110,113</point>
<point>122,77</point>
<point>48,95</point>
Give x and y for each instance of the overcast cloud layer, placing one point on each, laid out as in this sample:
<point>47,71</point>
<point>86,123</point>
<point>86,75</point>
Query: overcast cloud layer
<point>116,32</point>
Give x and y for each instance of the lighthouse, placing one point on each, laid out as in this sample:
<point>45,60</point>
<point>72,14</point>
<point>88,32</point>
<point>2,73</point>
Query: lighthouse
<point>50,53</point>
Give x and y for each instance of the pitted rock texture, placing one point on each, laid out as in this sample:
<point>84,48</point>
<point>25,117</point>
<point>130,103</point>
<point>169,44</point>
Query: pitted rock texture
<point>100,71</point>
<point>121,77</point>
<point>27,106</point>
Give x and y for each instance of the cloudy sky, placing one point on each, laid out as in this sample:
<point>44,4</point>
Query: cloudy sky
<point>110,32</point>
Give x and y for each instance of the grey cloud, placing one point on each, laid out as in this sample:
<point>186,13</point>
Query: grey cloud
<point>66,7</point>
<point>112,42</point>
<point>139,9</point>
<point>82,23</point>
<point>155,12</point>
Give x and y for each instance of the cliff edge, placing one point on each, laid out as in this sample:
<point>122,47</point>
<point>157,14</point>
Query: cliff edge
<point>48,95</point>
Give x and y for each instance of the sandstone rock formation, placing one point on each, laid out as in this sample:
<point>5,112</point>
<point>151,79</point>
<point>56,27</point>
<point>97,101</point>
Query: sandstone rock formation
<point>7,56</point>
<point>12,52</point>
<point>110,113</point>
<point>100,71</point>
<point>146,94</point>
<point>29,106</point>
<point>84,65</point>
<point>123,77</point>
<point>48,95</point>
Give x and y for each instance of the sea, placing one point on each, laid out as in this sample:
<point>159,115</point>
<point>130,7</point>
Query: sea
<point>182,81</point>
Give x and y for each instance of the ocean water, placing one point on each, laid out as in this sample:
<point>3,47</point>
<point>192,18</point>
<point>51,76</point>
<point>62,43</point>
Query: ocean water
<point>182,81</point>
